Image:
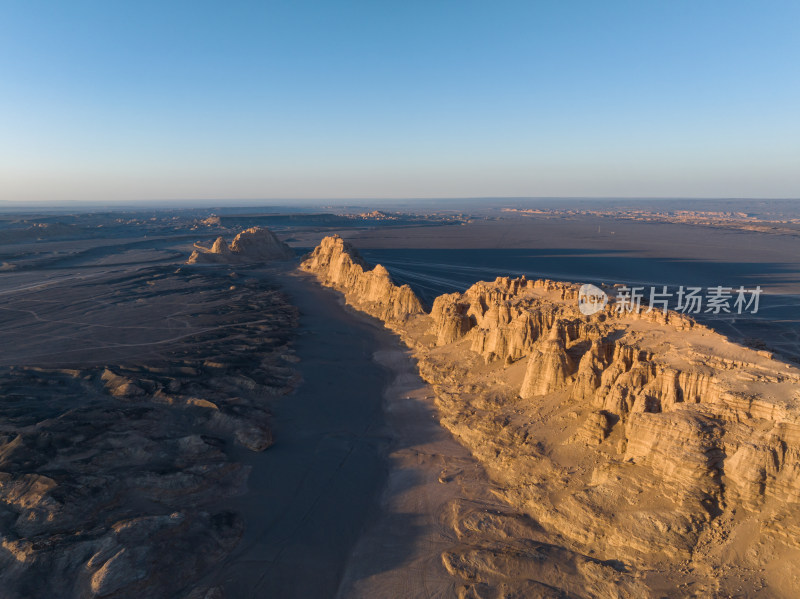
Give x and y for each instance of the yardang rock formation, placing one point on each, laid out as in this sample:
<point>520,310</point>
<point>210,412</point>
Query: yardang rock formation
<point>256,244</point>
<point>338,265</point>
<point>653,444</point>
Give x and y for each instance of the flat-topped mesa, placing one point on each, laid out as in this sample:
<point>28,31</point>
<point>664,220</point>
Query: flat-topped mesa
<point>337,264</point>
<point>256,244</point>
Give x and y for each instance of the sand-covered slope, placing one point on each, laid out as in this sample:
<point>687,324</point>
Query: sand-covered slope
<point>650,455</point>
<point>257,244</point>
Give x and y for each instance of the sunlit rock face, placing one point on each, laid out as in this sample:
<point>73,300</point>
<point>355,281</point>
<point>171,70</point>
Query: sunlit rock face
<point>550,368</point>
<point>644,438</point>
<point>338,265</point>
<point>257,244</point>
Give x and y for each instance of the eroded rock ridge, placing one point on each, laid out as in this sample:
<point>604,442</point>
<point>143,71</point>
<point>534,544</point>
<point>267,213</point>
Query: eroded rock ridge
<point>643,440</point>
<point>338,265</point>
<point>256,244</point>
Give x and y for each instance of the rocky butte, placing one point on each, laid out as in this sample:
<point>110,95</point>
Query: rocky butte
<point>645,452</point>
<point>251,245</point>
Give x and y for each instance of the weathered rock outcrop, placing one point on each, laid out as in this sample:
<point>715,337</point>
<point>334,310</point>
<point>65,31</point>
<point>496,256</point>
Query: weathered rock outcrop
<point>252,245</point>
<point>500,327</point>
<point>643,438</point>
<point>338,265</point>
<point>550,367</point>
<point>116,477</point>
<point>451,320</point>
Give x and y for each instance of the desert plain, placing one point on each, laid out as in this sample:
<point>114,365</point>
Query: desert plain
<point>271,414</point>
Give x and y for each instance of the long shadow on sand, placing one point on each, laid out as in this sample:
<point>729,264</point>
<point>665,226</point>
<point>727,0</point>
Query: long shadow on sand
<point>313,493</point>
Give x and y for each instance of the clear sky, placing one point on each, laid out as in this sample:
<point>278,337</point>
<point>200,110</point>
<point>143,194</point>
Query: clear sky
<point>124,100</point>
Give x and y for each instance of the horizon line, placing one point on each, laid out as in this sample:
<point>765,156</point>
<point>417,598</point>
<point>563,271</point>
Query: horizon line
<point>272,200</point>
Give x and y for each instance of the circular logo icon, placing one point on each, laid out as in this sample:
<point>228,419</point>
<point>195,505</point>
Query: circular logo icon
<point>591,299</point>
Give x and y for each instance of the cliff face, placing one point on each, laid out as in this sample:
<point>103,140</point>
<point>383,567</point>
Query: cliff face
<point>337,265</point>
<point>644,438</point>
<point>251,245</point>
<point>702,414</point>
<point>550,367</point>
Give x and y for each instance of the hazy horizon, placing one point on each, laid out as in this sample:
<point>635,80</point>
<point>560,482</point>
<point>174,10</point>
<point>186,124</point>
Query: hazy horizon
<point>387,202</point>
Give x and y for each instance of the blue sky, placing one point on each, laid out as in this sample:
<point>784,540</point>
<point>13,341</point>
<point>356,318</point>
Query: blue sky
<point>111,101</point>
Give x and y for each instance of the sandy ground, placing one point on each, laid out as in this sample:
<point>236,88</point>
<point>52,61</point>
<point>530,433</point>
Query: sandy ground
<point>399,555</point>
<point>311,494</point>
<point>777,255</point>
<point>348,502</point>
